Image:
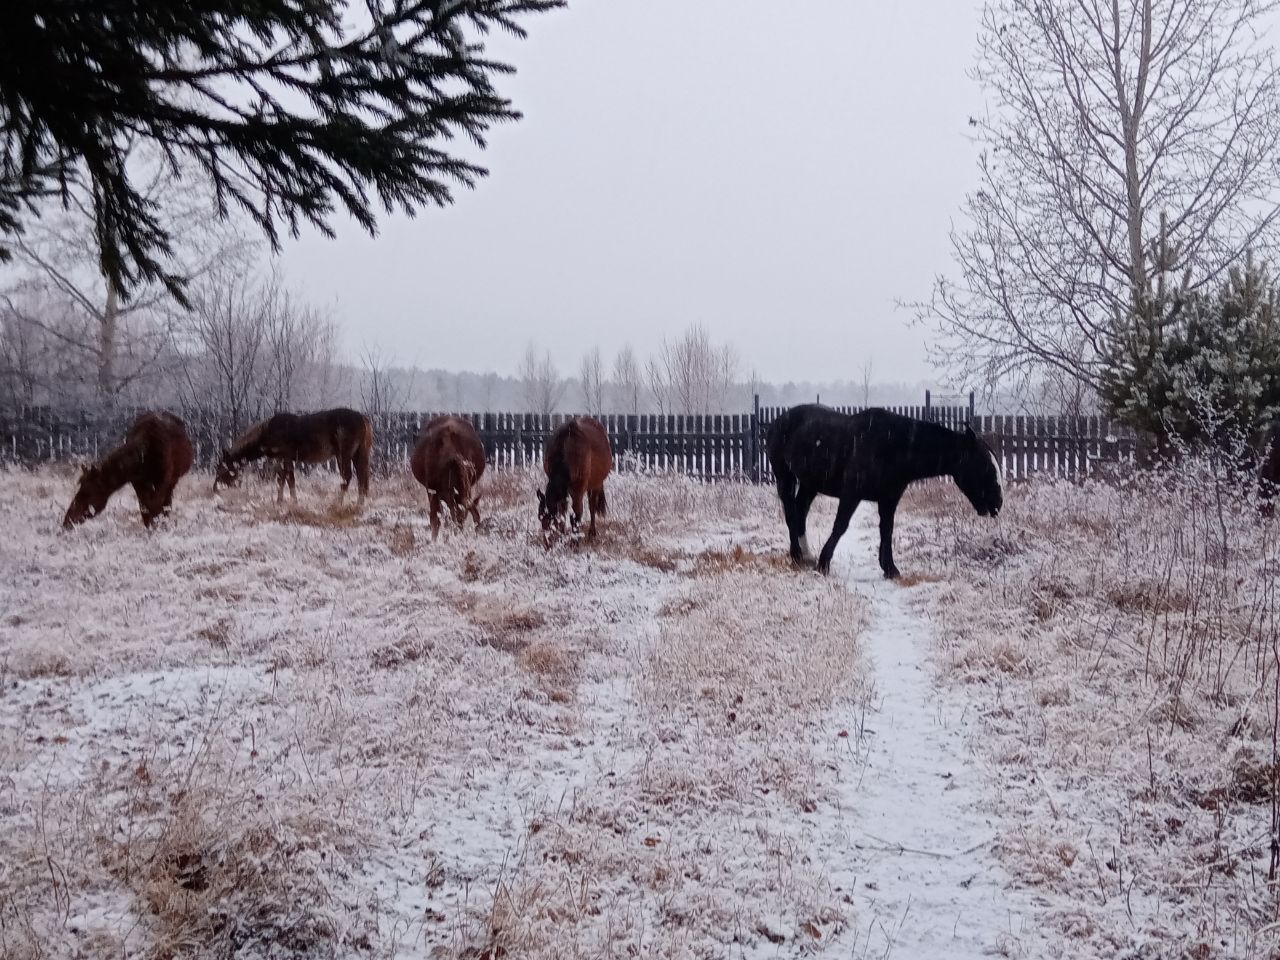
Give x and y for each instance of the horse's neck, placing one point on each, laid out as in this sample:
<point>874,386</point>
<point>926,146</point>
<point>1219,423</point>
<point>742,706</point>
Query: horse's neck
<point>938,456</point>
<point>120,466</point>
<point>248,450</point>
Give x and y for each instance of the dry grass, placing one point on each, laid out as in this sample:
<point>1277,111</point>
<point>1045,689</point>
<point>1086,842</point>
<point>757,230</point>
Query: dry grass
<point>1116,648</point>
<point>710,563</point>
<point>300,731</point>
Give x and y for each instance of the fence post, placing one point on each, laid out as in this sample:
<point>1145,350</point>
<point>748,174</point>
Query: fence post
<point>753,439</point>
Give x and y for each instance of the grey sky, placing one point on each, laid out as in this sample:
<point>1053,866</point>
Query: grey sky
<point>780,172</point>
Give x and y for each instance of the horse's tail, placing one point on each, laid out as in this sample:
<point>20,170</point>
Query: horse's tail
<point>466,480</point>
<point>783,475</point>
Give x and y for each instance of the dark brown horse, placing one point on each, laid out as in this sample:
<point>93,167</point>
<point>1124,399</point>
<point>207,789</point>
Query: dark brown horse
<point>577,460</point>
<point>1269,471</point>
<point>448,460</point>
<point>292,438</point>
<point>156,453</point>
<point>873,455</point>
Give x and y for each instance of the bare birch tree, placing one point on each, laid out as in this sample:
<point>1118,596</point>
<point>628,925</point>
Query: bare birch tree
<point>628,380</point>
<point>60,254</point>
<point>541,382</point>
<point>224,341</point>
<point>691,374</point>
<point>1106,115</point>
<point>591,381</point>
<point>380,391</point>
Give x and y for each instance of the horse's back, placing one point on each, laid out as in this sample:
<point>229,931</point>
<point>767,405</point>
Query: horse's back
<point>165,442</point>
<point>583,445</point>
<point>442,439</point>
<point>832,451</point>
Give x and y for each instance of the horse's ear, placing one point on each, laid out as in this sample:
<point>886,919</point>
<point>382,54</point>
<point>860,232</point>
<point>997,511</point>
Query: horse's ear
<point>968,430</point>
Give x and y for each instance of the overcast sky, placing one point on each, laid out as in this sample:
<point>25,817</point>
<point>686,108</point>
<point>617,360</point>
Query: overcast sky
<point>780,172</point>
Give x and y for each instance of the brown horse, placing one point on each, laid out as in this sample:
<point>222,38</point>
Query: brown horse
<point>577,460</point>
<point>448,460</point>
<point>156,453</point>
<point>293,438</point>
<point>1269,472</point>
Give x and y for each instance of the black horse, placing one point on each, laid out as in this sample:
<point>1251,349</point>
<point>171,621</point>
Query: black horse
<point>871,455</point>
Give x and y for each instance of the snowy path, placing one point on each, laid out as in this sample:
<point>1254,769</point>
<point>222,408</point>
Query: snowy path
<point>922,879</point>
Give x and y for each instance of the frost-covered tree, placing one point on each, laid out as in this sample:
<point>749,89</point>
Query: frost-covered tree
<point>1104,117</point>
<point>1212,373</point>
<point>591,381</point>
<point>628,380</point>
<point>541,382</point>
<point>291,108</point>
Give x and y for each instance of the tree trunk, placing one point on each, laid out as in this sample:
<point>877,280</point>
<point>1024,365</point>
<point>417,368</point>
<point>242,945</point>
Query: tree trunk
<point>108,336</point>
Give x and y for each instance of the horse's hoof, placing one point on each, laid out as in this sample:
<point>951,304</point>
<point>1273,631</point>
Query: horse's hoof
<point>892,573</point>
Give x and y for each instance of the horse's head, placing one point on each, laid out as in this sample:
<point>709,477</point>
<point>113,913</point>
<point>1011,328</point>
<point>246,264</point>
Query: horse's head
<point>553,504</point>
<point>977,475</point>
<point>548,515</point>
<point>228,472</point>
<point>90,499</point>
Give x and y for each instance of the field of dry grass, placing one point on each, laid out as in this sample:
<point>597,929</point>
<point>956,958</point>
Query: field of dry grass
<point>308,731</point>
<point>1121,644</point>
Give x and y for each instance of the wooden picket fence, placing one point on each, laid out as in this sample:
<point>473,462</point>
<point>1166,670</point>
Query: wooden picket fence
<point>710,447</point>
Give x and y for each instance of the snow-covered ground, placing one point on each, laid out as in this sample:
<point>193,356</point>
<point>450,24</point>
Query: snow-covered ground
<point>267,731</point>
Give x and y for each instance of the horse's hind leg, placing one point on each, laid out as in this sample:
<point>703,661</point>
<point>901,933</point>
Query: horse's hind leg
<point>361,461</point>
<point>596,503</point>
<point>844,513</point>
<point>800,507</point>
<point>344,471</point>
<point>888,507</point>
<point>786,482</point>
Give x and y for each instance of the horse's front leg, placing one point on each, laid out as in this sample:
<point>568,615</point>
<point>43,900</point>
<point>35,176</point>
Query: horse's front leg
<point>577,513</point>
<point>888,507</point>
<point>800,536</point>
<point>844,513</point>
<point>281,477</point>
<point>293,486</point>
<point>148,503</point>
<point>435,515</point>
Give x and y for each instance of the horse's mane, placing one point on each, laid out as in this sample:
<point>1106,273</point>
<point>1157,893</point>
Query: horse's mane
<point>249,438</point>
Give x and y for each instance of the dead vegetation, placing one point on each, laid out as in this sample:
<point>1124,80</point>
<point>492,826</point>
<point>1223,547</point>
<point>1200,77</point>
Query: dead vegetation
<point>299,732</point>
<point>1123,640</point>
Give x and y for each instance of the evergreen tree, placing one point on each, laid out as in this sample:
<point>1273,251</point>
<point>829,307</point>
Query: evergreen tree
<point>290,110</point>
<point>1200,366</point>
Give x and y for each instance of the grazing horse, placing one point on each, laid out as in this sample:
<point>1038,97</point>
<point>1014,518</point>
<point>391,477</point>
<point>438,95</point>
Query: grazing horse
<point>577,460</point>
<point>293,438</point>
<point>448,460</point>
<point>1269,472</point>
<point>156,453</point>
<point>871,455</point>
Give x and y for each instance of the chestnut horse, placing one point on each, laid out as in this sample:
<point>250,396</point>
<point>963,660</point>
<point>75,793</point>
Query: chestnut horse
<point>448,460</point>
<point>577,460</point>
<point>156,453</point>
<point>293,438</point>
